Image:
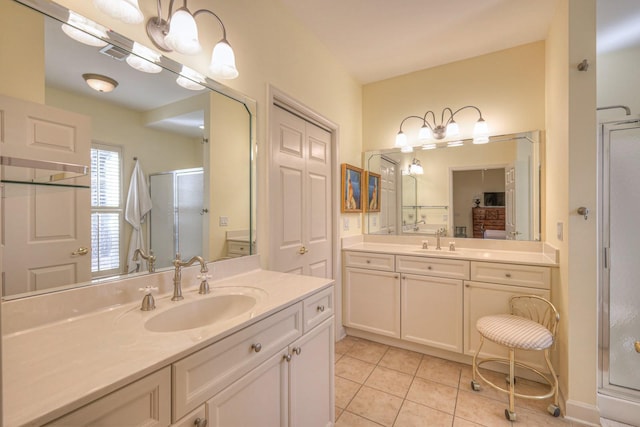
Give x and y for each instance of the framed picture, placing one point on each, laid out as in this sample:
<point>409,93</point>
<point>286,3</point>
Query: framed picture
<point>351,189</point>
<point>373,192</point>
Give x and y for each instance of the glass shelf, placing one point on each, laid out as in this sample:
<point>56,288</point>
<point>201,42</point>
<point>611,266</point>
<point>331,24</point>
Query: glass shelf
<point>42,172</point>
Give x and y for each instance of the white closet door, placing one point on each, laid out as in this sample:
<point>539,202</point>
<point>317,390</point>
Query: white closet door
<point>300,206</point>
<point>44,226</point>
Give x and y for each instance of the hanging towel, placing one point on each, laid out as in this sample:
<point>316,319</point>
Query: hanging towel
<point>138,205</point>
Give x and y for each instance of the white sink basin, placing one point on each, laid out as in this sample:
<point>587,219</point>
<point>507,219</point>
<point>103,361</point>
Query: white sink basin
<point>201,312</point>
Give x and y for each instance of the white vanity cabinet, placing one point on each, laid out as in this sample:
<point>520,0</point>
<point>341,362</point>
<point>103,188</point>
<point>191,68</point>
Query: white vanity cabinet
<point>372,293</point>
<point>276,372</point>
<point>145,402</point>
<point>488,292</point>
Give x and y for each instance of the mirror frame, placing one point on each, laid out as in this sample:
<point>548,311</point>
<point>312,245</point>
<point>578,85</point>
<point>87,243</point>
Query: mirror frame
<point>60,13</point>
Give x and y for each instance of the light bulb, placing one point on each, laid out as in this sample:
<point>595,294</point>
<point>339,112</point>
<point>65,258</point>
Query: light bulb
<point>144,59</point>
<point>401,139</point>
<point>189,79</point>
<point>223,61</point>
<point>183,33</point>
<point>84,30</point>
<point>452,129</point>
<point>126,11</point>
<point>425,133</point>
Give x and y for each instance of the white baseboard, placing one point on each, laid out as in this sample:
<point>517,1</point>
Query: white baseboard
<point>582,413</point>
<point>620,410</point>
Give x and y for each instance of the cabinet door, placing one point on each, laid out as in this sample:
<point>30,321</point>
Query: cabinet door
<point>257,399</point>
<point>372,301</point>
<point>311,394</point>
<point>432,311</point>
<point>146,402</point>
<point>482,299</point>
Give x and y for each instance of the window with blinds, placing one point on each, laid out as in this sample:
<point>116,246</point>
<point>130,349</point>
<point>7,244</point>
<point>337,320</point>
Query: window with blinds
<point>106,209</point>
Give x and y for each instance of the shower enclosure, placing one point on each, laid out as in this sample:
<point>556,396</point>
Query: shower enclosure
<point>619,282</point>
<point>176,215</point>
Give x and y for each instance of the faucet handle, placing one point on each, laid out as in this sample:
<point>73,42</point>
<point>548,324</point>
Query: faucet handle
<point>204,284</point>
<point>452,246</point>
<point>148,303</point>
<point>425,244</point>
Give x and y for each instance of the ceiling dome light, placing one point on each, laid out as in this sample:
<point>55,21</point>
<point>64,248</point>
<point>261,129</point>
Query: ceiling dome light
<point>84,30</point>
<point>126,11</point>
<point>223,61</point>
<point>189,79</point>
<point>144,59</point>
<point>100,83</point>
<point>183,33</point>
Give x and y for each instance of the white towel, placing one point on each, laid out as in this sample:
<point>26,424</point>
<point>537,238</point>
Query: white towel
<point>138,205</point>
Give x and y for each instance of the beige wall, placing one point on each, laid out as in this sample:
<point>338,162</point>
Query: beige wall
<point>507,86</point>
<point>571,182</point>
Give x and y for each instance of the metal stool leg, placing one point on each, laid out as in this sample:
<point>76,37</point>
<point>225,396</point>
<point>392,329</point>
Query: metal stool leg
<point>553,408</point>
<point>475,385</point>
<point>510,413</point>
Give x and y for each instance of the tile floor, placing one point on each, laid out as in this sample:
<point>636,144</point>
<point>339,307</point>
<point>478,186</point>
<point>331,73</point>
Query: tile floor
<point>377,385</point>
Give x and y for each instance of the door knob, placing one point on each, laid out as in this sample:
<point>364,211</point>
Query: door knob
<point>637,346</point>
<point>80,251</point>
<point>303,250</point>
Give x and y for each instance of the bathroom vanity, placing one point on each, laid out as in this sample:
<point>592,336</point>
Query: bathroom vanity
<point>428,300</point>
<point>265,357</point>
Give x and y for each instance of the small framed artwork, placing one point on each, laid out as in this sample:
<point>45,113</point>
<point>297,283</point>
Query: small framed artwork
<point>373,192</point>
<point>351,189</point>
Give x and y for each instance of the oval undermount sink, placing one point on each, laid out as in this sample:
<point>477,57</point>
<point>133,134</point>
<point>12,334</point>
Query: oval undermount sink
<point>200,312</point>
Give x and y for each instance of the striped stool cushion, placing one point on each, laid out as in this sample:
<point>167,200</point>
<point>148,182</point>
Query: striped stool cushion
<point>515,332</point>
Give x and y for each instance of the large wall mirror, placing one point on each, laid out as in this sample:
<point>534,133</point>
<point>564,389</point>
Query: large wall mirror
<point>460,189</point>
<point>194,143</point>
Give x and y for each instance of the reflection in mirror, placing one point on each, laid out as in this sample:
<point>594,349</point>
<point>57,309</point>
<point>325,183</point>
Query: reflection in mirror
<point>489,191</point>
<point>202,139</point>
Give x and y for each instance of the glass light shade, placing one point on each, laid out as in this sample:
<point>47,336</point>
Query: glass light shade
<point>401,139</point>
<point>183,33</point>
<point>189,79</point>
<point>84,31</point>
<point>406,149</point>
<point>452,129</point>
<point>416,168</point>
<point>126,11</point>
<point>223,61</point>
<point>425,133</point>
<point>100,83</point>
<point>480,129</point>
<point>144,59</point>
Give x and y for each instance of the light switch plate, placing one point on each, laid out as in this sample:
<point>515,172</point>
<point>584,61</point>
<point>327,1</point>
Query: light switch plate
<point>224,221</point>
<point>560,231</point>
<point>345,224</point>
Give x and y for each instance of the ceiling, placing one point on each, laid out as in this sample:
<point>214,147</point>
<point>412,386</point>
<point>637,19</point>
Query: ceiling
<point>380,39</point>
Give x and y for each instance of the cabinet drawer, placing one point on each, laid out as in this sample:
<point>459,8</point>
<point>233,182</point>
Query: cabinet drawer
<point>317,308</point>
<point>191,420</point>
<point>142,403</point>
<point>450,268</point>
<point>240,248</point>
<point>531,276</point>
<point>199,376</point>
<point>374,261</point>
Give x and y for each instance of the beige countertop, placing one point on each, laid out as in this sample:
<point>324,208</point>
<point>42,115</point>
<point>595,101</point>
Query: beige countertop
<point>54,368</point>
<point>543,258</point>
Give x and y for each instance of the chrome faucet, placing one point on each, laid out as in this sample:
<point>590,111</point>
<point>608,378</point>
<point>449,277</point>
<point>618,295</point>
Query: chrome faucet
<point>438,234</point>
<point>177,275</point>
<point>151,259</point>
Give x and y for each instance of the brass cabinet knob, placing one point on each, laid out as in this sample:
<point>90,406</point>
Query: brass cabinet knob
<point>303,250</point>
<point>637,346</point>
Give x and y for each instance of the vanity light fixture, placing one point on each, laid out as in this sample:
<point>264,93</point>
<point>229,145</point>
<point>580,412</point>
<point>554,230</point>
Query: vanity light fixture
<point>430,146</point>
<point>455,144</point>
<point>84,30</point>
<point>179,32</point>
<point>445,128</point>
<point>144,59</point>
<point>189,79</point>
<point>415,168</point>
<point>100,83</point>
